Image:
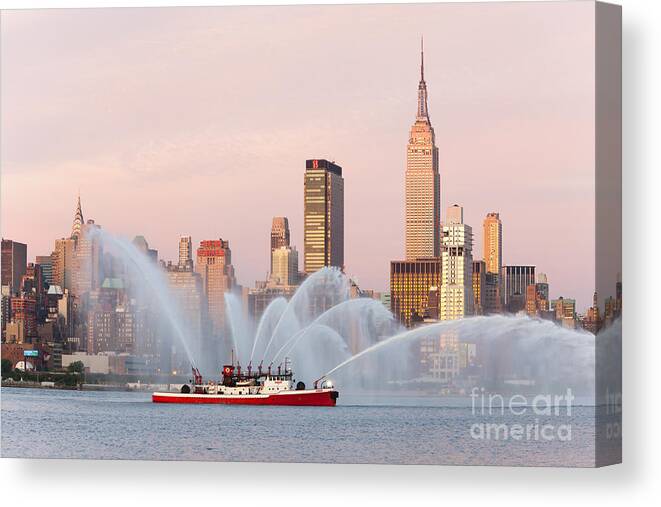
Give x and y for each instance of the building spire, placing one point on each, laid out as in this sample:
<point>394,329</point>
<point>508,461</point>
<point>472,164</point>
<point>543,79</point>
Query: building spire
<point>422,59</point>
<point>78,220</point>
<point>423,112</point>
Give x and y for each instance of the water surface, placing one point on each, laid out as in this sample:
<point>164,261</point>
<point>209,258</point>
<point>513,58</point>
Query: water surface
<point>40,423</point>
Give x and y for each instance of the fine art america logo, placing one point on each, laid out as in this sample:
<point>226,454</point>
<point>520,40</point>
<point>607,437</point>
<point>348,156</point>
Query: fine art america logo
<point>537,418</point>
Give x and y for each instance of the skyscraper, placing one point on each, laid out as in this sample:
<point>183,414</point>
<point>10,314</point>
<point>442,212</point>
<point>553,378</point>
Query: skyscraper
<point>214,264</point>
<point>188,290</point>
<point>531,301</point>
<point>185,252</point>
<point>456,290</point>
<point>479,283</point>
<point>63,258</point>
<point>78,221</point>
<point>592,320</point>
<point>423,187</point>
<point>324,215</point>
<point>140,242</point>
<point>542,292</point>
<point>493,243</point>
<point>565,311</point>
<point>46,263</point>
<point>284,262</point>
<point>514,281</point>
<point>32,283</point>
<point>493,259</point>
<point>24,312</point>
<point>63,254</point>
<point>491,294</point>
<point>410,284</point>
<point>14,261</point>
<point>279,235</point>
<point>88,260</point>
<point>102,322</point>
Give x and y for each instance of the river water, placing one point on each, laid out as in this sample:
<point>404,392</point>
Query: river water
<point>41,423</point>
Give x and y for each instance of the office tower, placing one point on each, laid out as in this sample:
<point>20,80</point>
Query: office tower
<point>53,297</point>
<point>479,283</point>
<point>323,215</point>
<point>63,257</point>
<point>423,187</point>
<point>32,283</point>
<point>88,257</point>
<point>33,279</point>
<point>514,281</point>
<point>433,304</point>
<point>140,242</point>
<point>111,319</point>
<point>187,288</point>
<point>491,294</point>
<point>14,261</point>
<point>46,263</point>
<point>456,289</point>
<point>542,292</point>
<point>214,264</point>
<point>537,298</point>
<point>284,266</point>
<point>493,242</point>
<point>493,258</point>
<point>410,283</point>
<point>125,328</point>
<point>24,315</point>
<point>186,253</point>
<point>5,308</point>
<point>259,298</point>
<point>564,307</point>
<point>280,235</point>
<point>565,311</point>
<point>63,262</point>
<point>101,322</point>
<point>592,320</point>
<point>531,301</point>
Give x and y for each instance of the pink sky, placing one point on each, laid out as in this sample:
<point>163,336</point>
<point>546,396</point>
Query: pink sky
<point>199,120</point>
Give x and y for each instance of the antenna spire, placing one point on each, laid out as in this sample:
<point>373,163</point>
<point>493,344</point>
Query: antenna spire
<point>422,58</point>
<point>422,113</point>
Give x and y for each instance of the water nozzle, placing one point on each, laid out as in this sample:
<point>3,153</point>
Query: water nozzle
<point>316,382</point>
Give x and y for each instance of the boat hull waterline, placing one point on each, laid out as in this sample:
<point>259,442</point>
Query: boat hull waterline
<point>307,398</point>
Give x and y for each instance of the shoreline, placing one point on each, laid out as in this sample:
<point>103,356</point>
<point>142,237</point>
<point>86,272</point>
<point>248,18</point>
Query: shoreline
<point>80,387</point>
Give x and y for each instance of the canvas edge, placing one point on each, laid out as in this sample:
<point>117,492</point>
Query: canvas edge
<point>608,228</point>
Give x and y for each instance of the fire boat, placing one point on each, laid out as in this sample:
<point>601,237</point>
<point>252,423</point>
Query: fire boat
<point>250,387</point>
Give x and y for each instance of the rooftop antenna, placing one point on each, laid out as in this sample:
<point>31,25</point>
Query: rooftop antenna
<point>422,58</point>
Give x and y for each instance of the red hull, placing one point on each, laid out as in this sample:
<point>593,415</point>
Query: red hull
<point>317,398</point>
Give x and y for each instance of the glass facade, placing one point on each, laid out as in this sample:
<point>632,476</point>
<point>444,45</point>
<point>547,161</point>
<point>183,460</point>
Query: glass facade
<point>324,216</point>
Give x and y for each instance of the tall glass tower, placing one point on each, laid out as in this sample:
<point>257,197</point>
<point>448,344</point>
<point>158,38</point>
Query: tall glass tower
<point>324,215</point>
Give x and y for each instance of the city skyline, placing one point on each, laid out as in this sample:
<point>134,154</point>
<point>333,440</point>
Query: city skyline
<point>160,157</point>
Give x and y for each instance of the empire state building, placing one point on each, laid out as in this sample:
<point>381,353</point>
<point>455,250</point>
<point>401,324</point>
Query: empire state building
<point>423,193</point>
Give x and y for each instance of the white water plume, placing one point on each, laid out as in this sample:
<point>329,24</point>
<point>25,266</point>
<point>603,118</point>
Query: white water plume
<point>147,284</point>
<point>318,324</point>
<point>538,351</point>
<point>357,341</point>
